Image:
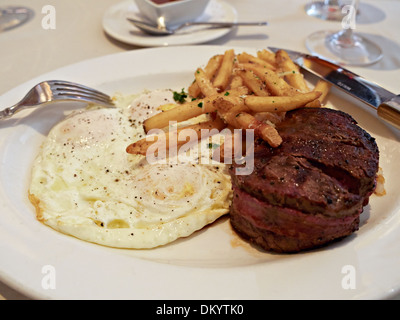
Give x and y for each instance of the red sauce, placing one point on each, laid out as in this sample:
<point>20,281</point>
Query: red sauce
<point>163,1</point>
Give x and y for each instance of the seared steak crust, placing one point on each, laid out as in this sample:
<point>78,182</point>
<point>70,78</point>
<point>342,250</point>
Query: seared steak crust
<point>310,190</point>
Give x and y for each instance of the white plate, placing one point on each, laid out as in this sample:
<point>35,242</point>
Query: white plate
<point>116,26</point>
<point>211,264</point>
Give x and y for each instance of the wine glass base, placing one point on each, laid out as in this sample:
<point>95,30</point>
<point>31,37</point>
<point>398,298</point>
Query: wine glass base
<point>12,17</point>
<point>361,52</point>
<point>320,10</point>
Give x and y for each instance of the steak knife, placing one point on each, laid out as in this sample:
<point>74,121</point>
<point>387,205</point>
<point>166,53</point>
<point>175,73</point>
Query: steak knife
<point>386,103</point>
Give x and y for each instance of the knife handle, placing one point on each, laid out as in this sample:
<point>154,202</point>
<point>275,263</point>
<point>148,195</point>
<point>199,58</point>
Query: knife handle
<point>390,111</point>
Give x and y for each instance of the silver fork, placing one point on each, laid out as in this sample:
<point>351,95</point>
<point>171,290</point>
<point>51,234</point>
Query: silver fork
<point>57,90</point>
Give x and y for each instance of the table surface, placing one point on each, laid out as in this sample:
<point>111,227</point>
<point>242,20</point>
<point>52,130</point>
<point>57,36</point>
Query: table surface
<point>30,50</point>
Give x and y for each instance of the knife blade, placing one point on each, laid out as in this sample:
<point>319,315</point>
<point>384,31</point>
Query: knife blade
<point>386,103</point>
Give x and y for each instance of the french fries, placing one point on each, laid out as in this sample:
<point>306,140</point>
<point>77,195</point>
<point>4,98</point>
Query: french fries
<point>177,137</point>
<point>224,73</point>
<point>254,83</point>
<point>323,87</point>
<point>236,82</point>
<point>237,117</point>
<point>291,71</point>
<point>276,85</point>
<point>267,56</point>
<point>248,58</point>
<point>187,110</point>
<point>241,91</point>
<point>210,69</point>
<point>282,103</point>
<point>204,83</point>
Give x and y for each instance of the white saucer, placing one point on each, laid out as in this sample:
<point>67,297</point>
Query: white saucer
<point>117,27</point>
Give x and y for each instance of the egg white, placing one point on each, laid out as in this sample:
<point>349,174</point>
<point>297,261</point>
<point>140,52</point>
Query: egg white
<point>84,184</point>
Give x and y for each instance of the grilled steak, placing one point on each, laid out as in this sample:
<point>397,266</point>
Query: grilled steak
<point>311,190</point>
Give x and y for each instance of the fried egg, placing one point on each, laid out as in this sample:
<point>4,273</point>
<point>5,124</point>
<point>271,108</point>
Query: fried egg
<point>86,185</point>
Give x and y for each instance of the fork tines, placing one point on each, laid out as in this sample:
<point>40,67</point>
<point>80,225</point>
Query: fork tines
<point>71,90</point>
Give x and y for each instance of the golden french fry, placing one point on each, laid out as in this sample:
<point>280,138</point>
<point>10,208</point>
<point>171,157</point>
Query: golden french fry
<point>222,78</point>
<point>210,70</point>
<point>314,104</point>
<point>272,117</point>
<point>280,103</point>
<point>248,58</point>
<point>181,112</point>
<point>253,82</point>
<point>291,71</point>
<point>323,87</point>
<point>265,131</point>
<point>267,56</point>
<point>229,104</point>
<point>167,106</point>
<point>141,146</point>
<point>230,113</point>
<point>204,83</point>
<point>188,110</point>
<point>275,84</point>
<point>236,82</point>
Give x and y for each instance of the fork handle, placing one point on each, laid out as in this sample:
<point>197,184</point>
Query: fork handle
<point>9,112</point>
<point>6,113</point>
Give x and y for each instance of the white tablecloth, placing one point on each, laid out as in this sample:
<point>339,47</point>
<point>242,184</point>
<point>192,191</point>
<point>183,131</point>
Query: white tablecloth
<point>30,50</point>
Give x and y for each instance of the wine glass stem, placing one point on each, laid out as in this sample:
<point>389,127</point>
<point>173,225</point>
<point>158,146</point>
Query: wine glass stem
<point>345,38</point>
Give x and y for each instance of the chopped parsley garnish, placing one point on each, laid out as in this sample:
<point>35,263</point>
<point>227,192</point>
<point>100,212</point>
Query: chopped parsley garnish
<point>213,145</point>
<point>180,96</point>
